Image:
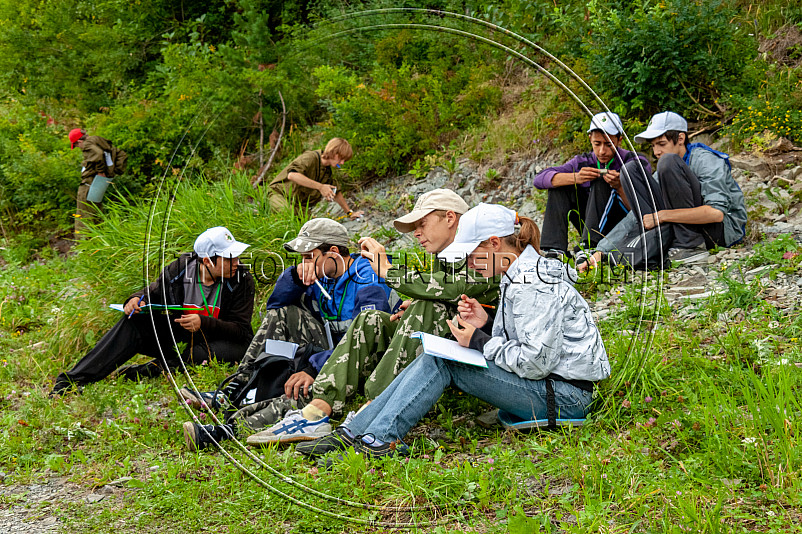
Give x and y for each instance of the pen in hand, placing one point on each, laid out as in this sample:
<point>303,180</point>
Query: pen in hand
<point>326,293</point>
<point>137,304</point>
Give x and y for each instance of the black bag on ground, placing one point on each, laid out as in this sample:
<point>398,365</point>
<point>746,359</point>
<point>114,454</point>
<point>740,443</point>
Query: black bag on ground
<point>272,371</point>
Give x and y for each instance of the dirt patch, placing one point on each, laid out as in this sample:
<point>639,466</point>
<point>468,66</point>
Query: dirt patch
<point>36,508</point>
<point>785,47</point>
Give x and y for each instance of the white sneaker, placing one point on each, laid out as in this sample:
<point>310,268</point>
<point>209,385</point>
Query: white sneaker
<point>294,427</point>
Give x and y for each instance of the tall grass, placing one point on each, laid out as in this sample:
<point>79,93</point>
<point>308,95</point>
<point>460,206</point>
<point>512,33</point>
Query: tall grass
<point>134,240</point>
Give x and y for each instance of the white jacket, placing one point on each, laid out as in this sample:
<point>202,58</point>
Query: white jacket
<point>544,325</point>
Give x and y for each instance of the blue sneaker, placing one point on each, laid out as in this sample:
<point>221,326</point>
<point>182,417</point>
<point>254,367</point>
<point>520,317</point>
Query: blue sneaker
<point>294,427</point>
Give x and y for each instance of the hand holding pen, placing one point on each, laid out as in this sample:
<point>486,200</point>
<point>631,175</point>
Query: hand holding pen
<point>133,306</point>
<point>472,312</point>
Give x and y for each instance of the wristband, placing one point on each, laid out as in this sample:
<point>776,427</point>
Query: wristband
<point>349,213</point>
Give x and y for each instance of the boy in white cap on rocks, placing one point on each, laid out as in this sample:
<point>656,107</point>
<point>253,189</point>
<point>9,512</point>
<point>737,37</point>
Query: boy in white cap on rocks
<point>587,190</point>
<point>211,296</point>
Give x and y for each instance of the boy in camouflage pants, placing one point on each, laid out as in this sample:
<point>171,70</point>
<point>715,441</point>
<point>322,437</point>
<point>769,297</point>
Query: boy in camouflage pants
<point>378,346</point>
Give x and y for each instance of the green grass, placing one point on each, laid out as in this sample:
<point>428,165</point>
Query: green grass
<point>701,437</point>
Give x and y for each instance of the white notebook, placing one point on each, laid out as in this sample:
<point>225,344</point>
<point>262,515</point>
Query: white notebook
<point>281,348</point>
<point>448,349</point>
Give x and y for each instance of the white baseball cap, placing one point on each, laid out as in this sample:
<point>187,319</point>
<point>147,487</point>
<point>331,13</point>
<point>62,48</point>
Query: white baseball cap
<point>660,124</point>
<point>218,241</point>
<point>477,225</point>
<point>607,121</point>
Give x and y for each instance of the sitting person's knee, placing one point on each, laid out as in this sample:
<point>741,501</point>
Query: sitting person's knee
<point>668,161</point>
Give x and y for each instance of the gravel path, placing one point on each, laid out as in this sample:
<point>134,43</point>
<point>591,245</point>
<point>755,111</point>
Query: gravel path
<point>35,508</point>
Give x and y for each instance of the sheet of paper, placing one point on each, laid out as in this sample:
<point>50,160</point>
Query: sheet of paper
<point>281,348</point>
<point>449,349</point>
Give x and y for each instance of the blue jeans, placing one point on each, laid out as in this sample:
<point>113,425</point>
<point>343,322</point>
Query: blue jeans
<point>413,393</point>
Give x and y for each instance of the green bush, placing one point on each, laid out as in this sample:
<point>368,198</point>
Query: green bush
<point>680,55</point>
<point>402,113</point>
<point>39,174</point>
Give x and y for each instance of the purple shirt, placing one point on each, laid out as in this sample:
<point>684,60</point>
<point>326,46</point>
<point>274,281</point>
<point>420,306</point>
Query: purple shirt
<point>588,159</point>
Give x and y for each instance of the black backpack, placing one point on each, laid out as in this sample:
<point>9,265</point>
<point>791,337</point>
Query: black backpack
<point>271,372</point>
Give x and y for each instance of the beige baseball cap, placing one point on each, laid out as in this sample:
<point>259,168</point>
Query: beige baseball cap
<point>317,232</point>
<point>438,199</point>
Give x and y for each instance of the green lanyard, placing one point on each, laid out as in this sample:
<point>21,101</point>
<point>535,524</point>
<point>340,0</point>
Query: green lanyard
<point>209,310</point>
<point>325,315</point>
<point>598,163</point>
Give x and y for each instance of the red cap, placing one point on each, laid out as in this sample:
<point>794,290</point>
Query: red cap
<point>75,135</point>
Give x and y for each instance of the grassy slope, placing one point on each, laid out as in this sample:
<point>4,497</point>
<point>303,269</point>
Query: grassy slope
<point>699,438</point>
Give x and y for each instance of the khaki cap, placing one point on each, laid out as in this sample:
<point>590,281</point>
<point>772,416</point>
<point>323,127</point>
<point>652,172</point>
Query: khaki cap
<point>438,199</point>
<point>317,232</point>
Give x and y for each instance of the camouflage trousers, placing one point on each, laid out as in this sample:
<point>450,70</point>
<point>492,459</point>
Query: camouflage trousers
<point>266,413</point>
<point>375,350</point>
<point>290,323</point>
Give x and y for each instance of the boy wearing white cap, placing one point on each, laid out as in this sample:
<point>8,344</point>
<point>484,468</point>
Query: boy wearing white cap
<point>313,304</point>
<point>587,190</point>
<point>210,296</point>
<point>543,351</point>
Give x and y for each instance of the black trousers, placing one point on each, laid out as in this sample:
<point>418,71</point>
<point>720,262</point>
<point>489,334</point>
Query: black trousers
<point>137,335</point>
<point>679,188</point>
<point>583,207</point>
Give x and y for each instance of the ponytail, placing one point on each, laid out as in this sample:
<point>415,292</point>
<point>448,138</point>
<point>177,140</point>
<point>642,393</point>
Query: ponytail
<point>529,234</point>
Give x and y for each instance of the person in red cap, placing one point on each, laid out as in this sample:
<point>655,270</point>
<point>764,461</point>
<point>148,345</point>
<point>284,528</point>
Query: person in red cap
<point>102,159</point>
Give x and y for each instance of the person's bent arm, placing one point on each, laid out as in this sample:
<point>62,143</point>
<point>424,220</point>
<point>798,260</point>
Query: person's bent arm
<point>538,319</point>
<point>697,215</point>
<point>299,179</point>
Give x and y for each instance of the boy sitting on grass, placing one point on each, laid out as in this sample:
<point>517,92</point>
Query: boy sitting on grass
<point>211,280</point>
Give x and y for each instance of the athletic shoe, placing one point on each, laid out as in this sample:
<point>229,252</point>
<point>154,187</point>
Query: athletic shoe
<point>294,427</point>
<point>686,256</point>
<point>374,448</point>
<point>339,440</point>
<point>198,437</point>
<point>204,400</point>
